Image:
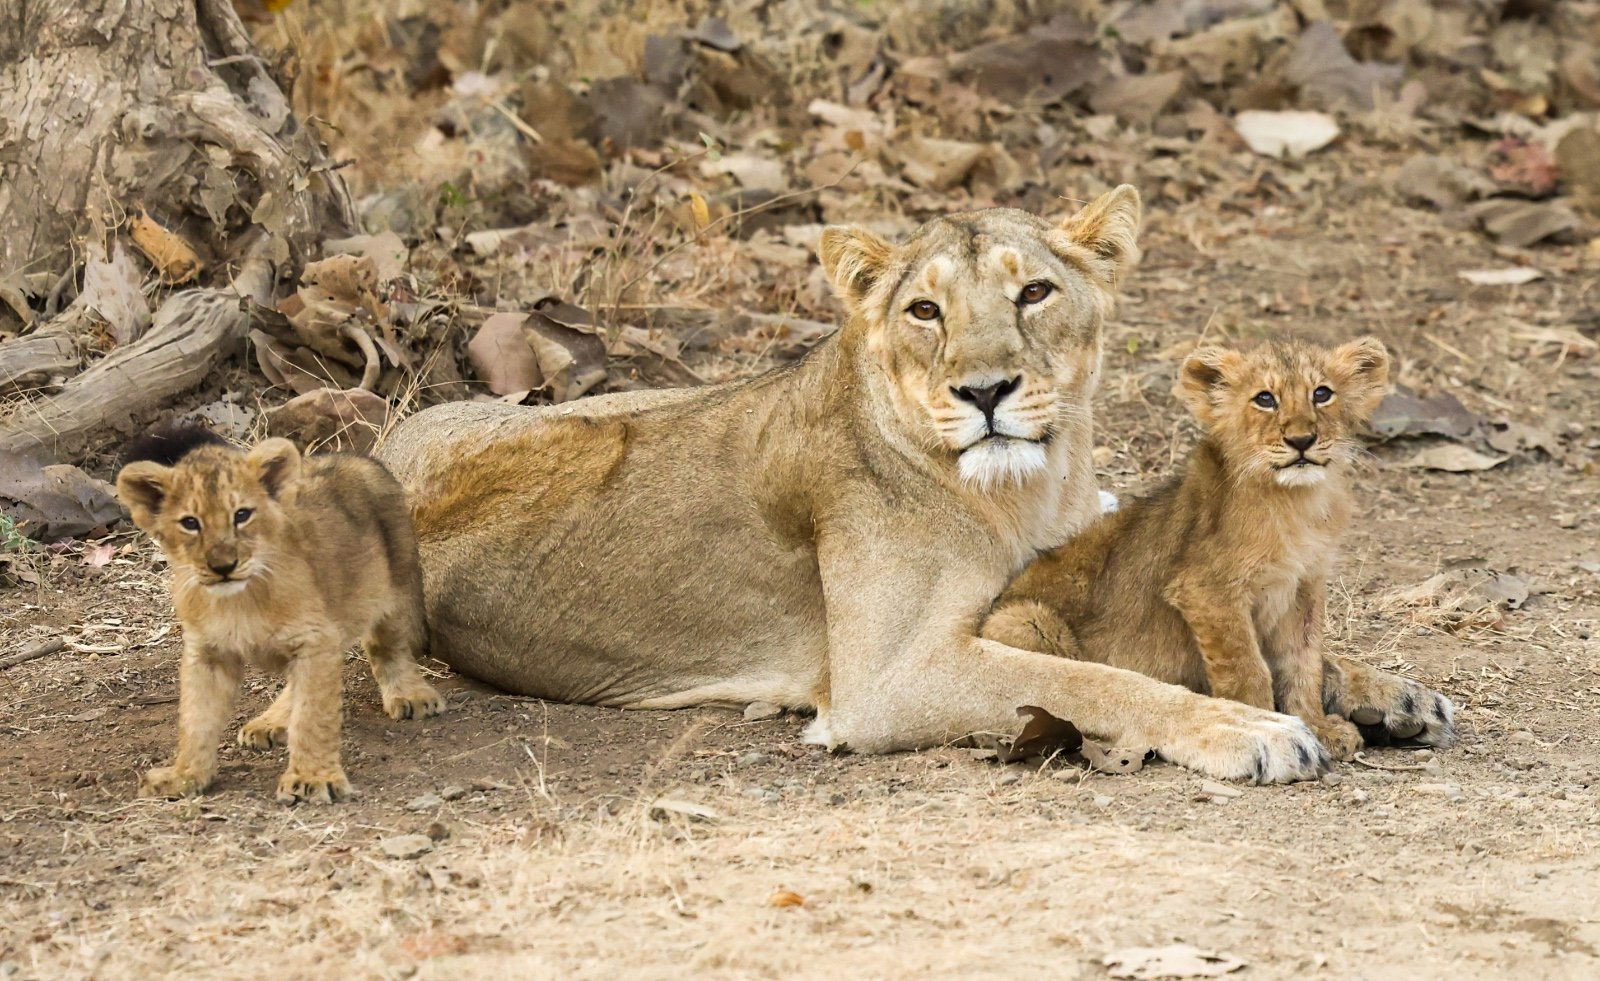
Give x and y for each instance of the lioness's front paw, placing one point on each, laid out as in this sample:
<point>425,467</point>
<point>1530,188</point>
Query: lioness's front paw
<point>166,781</point>
<point>318,787</point>
<point>1394,710</point>
<point>1232,741</point>
<point>416,700</point>
<point>257,734</point>
<point>1338,736</point>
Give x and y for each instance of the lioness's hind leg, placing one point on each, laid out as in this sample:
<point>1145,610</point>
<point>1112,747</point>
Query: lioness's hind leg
<point>392,648</point>
<point>271,727</point>
<point>1385,707</point>
<point>1031,626</point>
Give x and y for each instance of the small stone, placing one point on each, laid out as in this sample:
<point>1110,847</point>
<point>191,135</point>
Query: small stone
<point>1521,736</point>
<point>752,758</point>
<point>761,711</point>
<point>1356,796</point>
<point>436,831</point>
<point>1446,790</point>
<point>1007,779</point>
<point>1590,567</point>
<point>1102,800</point>
<point>1422,755</point>
<point>453,792</point>
<point>406,846</point>
<point>426,802</point>
<point>1333,779</point>
<point>761,794</point>
<point>1384,811</point>
<point>1566,521</point>
<point>1215,789</point>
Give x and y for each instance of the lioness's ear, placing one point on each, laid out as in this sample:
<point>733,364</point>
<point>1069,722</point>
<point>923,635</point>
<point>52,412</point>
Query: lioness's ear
<point>1108,227</point>
<point>853,259</point>
<point>277,464</point>
<point>142,487</point>
<point>1365,362</point>
<point>1201,375</point>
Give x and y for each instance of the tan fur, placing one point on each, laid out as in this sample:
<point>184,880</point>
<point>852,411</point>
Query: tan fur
<point>827,535</point>
<point>324,557</point>
<point>1216,580</point>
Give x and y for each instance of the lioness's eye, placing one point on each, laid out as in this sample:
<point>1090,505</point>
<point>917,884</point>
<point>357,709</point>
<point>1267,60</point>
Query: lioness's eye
<point>1322,395</point>
<point>1034,292</point>
<point>1265,400</point>
<point>924,310</point>
<point>242,515</point>
<point>189,523</point>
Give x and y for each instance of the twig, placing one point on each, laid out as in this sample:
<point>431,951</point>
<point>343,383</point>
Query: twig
<point>1397,767</point>
<point>48,647</point>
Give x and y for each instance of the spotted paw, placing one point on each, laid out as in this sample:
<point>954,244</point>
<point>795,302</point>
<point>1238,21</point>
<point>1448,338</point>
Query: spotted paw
<point>260,735</point>
<point>1387,709</point>
<point>166,781</point>
<point>1232,741</point>
<point>317,787</point>
<point>416,700</point>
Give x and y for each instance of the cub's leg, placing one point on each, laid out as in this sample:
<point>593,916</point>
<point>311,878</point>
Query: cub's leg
<point>1221,626</point>
<point>271,727</point>
<point>392,648</point>
<point>1031,626</point>
<point>315,715</point>
<point>1386,707</point>
<point>1294,644</point>
<point>207,685</point>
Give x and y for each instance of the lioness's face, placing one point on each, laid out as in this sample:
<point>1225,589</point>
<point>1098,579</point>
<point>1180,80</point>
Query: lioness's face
<point>988,325</point>
<point>1286,411</point>
<point>216,513</point>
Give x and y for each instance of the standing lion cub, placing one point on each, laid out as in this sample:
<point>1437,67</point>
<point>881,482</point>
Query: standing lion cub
<point>283,563</point>
<point>1222,569</point>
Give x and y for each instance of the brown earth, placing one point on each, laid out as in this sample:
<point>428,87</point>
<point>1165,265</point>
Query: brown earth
<point>1479,861</point>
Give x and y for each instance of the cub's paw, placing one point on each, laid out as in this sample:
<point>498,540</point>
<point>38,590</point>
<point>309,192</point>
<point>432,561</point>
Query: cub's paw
<point>1233,741</point>
<point>413,700</point>
<point>262,734</point>
<point>1390,710</point>
<point>166,781</point>
<point>315,786</point>
<point>1338,736</point>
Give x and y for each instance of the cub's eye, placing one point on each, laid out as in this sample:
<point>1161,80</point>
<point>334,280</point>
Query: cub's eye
<point>1034,292</point>
<point>1265,400</point>
<point>1322,395</point>
<point>924,310</point>
<point>189,523</point>
<point>242,515</point>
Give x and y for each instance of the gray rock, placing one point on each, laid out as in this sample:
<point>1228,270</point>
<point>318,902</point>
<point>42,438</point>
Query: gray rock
<point>1103,801</point>
<point>453,792</point>
<point>1333,779</point>
<point>406,846</point>
<point>752,758</point>
<point>426,802</point>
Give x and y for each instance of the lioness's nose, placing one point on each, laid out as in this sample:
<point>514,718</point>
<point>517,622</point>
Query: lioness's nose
<point>988,398</point>
<point>1301,443</point>
<point>223,568</point>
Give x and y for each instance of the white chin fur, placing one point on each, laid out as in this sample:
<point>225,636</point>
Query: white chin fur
<point>232,587</point>
<point>995,463</point>
<point>1301,476</point>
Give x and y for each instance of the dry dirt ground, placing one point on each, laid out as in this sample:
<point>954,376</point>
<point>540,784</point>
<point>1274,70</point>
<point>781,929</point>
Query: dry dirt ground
<point>1479,861</point>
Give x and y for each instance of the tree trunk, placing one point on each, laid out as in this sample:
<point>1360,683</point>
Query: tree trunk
<point>111,108</point>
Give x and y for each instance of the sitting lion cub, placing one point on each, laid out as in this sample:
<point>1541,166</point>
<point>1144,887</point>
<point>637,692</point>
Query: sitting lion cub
<point>284,563</point>
<point>1222,568</point>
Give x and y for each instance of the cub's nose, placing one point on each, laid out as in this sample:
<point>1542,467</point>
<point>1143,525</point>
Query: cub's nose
<point>988,398</point>
<point>1301,443</point>
<point>224,568</point>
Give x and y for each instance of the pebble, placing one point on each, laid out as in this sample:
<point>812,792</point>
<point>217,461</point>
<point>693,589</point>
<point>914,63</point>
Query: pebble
<point>1007,779</point>
<point>426,802</point>
<point>761,711</point>
<point>761,794</point>
<point>752,758</point>
<point>1333,779</point>
<point>1567,520</point>
<point>1590,567</point>
<point>1102,800</point>
<point>406,846</point>
<point>1223,790</point>
<point>1356,796</point>
<point>1422,755</point>
<point>453,792</point>
<point>1448,790</point>
<point>1521,736</point>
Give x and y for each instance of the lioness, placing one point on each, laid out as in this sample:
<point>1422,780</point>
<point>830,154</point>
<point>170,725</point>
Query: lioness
<point>1215,580</point>
<point>282,563</point>
<point>828,534</point>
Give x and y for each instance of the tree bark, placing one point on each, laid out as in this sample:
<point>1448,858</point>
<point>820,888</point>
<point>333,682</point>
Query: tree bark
<point>110,108</point>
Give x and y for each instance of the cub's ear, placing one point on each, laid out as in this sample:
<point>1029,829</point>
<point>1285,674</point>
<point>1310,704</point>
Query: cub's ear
<point>277,464</point>
<point>1365,364</point>
<point>1201,377</point>
<point>142,487</point>
<point>854,260</point>
<point>1108,227</point>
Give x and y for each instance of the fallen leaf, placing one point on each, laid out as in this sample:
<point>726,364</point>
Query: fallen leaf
<point>348,419</point>
<point>1285,133</point>
<point>406,846</point>
<point>1522,223</point>
<point>938,165</point>
<point>1113,759</point>
<point>1440,182</point>
<point>783,898</point>
<point>501,356</point>
<point>663,808</point>
<point>54,502</point>
<point>1329,78</point>
<point>1452,457</point>
<point>175,260</point>
<point>1173,961</point>
<point>96,556</point>
<point>1568,340</point>
<point>1404,413</point>
<point>1041,734</point>
<point>385,250</point>
<point>111,292</point>
<point>1515,276</point>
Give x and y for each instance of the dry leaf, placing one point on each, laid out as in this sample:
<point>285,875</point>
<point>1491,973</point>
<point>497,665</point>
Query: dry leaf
<point>783,899</point>
<point>1404,413</point>
<point>1515,276</point>
<point>501,356</point>
<point>702,214</point>
<point>173,258</point>
<point>666,807</point>
<point>1453,458</point>
<point>96,556</point>
<point>349,419</point>
<point>111,292</point>
<point>1285,133</point>
<point>1042,734</point>
<point>53,502</point>
<point>1173,961</point>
